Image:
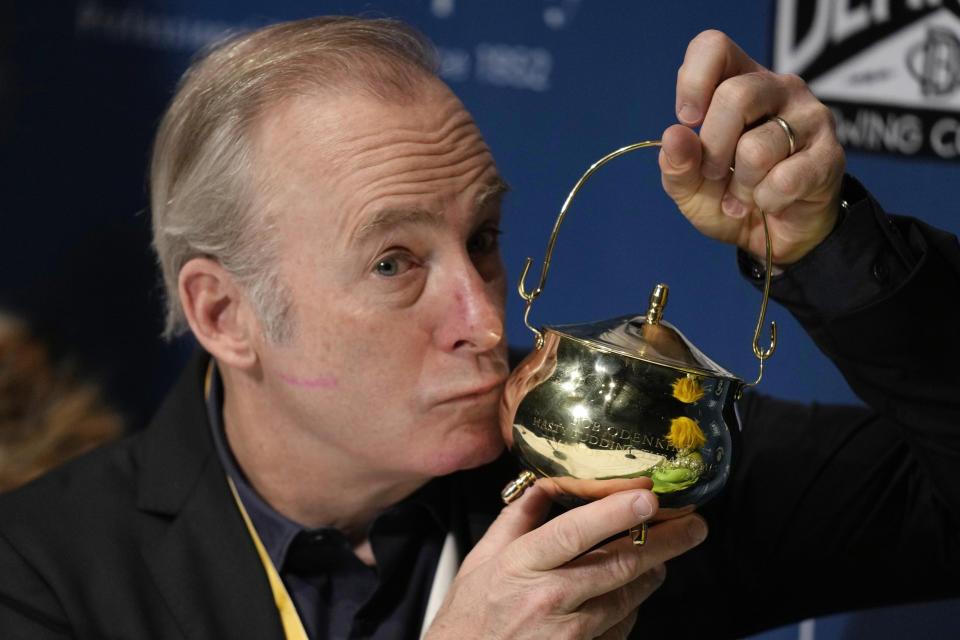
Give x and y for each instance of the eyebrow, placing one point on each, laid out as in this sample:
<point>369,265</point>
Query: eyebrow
<point>399,216</point>
<point>395,217</point>
<point>492,191</point>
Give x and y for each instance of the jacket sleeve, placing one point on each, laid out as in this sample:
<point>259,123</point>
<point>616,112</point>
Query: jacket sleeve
<point>832,508</point>
<point>879,299</point>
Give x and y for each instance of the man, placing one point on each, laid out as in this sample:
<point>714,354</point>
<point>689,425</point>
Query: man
<point>326,217</point>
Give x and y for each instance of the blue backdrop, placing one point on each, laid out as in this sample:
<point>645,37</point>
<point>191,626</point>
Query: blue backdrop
<point>553,84</point>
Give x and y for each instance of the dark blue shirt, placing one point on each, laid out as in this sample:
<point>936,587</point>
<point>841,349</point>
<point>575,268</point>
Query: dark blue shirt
<point>337,595</point>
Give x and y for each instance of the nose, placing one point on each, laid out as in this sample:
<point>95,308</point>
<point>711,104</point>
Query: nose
<point>473,318</point>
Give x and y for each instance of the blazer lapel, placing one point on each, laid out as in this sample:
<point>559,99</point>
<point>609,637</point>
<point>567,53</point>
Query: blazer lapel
<point>195,543</point>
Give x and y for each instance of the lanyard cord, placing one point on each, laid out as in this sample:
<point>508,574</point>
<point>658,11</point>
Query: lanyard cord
<point>292,626</point>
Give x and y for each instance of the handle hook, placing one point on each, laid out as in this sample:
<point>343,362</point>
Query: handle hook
<point>530,296</point>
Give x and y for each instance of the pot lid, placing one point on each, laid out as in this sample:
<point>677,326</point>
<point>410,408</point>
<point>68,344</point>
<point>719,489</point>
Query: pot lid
<point>646,337</point>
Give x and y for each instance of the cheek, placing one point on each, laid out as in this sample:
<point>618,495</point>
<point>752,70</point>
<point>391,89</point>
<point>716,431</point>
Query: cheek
<point>310,359</point>
<point>359,357</point>
<point>349,349</point>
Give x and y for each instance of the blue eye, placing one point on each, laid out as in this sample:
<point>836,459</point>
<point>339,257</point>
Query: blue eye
<point>395,264</point>
<point>388,267</point>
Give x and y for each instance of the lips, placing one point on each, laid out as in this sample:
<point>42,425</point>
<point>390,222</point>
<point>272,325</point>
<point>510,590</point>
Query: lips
<point>476,392</point>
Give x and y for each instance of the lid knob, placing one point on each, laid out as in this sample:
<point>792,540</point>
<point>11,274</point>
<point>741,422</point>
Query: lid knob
<point>658,300</point>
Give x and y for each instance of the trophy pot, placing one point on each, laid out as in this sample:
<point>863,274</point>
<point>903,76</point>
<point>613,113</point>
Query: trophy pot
<point>611,405</point>
<point>590,419</point>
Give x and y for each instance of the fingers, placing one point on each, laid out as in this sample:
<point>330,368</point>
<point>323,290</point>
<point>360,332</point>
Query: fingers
<point>728,94</point>
<point>758,151</point>
<point>737,103</point>
<point>604,585</point>
<point>617,612</point>
<point>519,517</point>
<point>796,177</point>
<point>711,58</point>
<point>546,579</point>
<point>621,577</point>
<point>620,630</point>
<point>590,489</point>
<point>768,176</point>
<point>572,533</point>
<point>733,91</point>
<point>619,562</point>
<point>680,158</point>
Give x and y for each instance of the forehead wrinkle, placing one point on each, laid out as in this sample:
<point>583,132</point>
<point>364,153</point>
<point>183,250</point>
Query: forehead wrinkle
<point>403,146</point>
<point>410,176</point>
<point>407,182</point>
<point>393,217</point>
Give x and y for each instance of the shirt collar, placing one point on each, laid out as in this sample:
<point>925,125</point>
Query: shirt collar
<point>276,531</point>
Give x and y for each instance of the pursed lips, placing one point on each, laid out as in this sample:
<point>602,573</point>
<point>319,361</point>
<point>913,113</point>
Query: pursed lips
<point>474,393</point>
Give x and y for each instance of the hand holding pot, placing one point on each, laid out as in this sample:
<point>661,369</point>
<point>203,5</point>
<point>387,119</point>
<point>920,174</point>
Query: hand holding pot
<point>528,581</point>
<point>776,134</point>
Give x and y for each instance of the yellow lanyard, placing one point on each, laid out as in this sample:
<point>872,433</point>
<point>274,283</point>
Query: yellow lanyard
<point>292,627</point>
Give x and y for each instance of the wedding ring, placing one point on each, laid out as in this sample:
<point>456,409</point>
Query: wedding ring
<point>639,534</point>
<point>791,136</point>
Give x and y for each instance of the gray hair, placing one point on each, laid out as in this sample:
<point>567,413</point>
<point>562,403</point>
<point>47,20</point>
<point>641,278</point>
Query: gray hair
<point>204,196</point>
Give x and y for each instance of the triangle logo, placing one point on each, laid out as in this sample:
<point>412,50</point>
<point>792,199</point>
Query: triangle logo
<point>891,75</point>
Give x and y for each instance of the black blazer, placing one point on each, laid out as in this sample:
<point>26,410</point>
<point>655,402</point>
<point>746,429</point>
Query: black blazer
<point>150,542</point>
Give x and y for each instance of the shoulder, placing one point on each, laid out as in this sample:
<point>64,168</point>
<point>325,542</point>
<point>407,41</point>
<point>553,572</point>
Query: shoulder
<point>93,502</point>
<point>54,530</point>
<point>86,494</point>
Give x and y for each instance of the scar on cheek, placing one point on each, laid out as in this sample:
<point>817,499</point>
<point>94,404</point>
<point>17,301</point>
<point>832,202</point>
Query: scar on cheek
<point>314,383</point>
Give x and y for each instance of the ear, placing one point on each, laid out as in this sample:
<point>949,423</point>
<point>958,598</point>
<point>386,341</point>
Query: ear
<point>219,314</point>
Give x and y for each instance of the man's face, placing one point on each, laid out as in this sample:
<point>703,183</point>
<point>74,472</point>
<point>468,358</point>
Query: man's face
<point>387,216</point>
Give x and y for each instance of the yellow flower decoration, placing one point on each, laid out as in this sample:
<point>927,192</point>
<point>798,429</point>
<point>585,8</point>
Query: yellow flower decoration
<point>685,434</point>
<point>687,389</point>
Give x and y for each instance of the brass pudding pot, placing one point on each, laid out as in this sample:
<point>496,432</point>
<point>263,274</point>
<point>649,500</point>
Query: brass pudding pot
<point>597,407</point>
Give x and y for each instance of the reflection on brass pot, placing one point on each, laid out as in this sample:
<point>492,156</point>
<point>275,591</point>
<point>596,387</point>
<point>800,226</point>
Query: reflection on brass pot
<point>594,415</point>
<point>620,404</point>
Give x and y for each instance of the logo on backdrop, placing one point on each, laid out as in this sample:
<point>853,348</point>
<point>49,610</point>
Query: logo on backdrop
<point>509,65</point>
<point>888,69</point>
<point>504,65</point>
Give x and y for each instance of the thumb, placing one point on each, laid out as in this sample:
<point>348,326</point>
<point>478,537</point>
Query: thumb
<point>679,159</point>
<point>517,518</point>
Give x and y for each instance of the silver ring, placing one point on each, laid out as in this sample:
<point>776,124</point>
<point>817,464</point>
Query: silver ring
<point>787,129</point>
